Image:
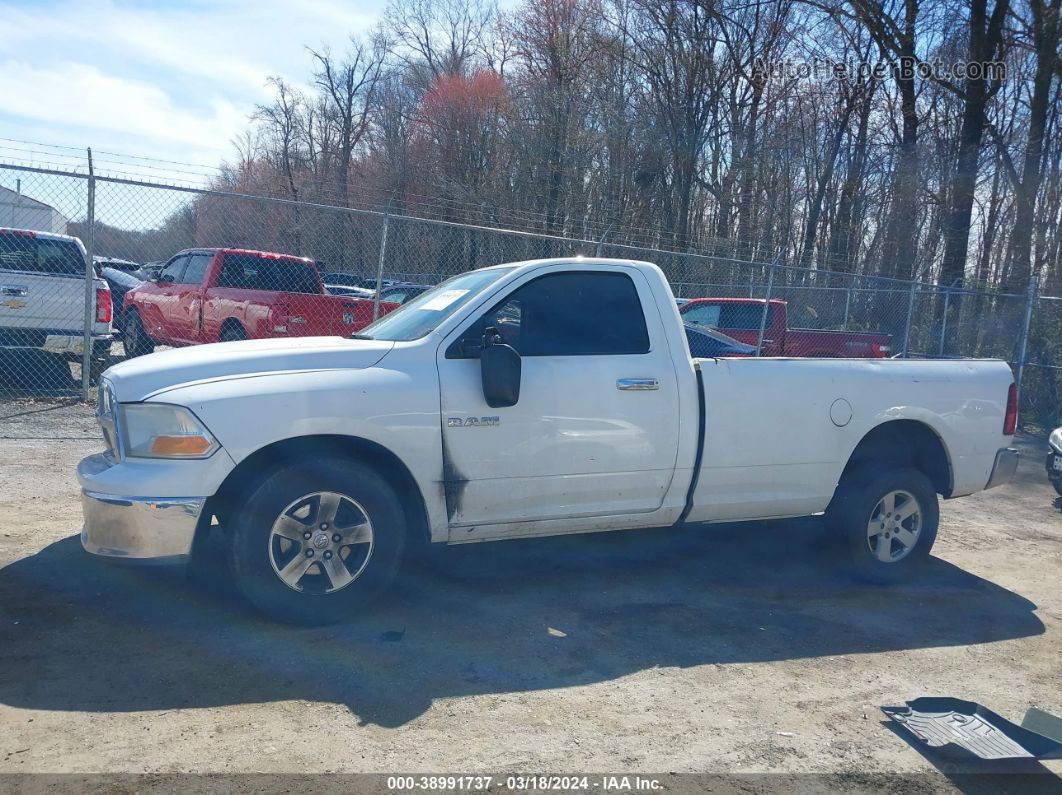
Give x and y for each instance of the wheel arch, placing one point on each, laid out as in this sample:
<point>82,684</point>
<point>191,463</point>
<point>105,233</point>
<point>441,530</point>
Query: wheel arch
<point>907,442</point>
<point>231,322</point>
<point>286,451</point>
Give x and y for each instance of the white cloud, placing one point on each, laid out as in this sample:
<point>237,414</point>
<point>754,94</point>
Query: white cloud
<point>151,79</point>
<point>79,95</point>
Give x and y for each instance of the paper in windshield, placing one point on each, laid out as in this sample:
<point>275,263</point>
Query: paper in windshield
<point>442,300</point>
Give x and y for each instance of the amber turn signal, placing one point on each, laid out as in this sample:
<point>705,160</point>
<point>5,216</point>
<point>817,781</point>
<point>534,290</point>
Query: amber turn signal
<point>180,445</point>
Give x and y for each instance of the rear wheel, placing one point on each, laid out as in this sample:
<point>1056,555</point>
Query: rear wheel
<point>314,541</point>
<point>233,333</point>
<point>886,522</point>
<point>134,339</point>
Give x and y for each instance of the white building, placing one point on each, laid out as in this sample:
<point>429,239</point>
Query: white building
<point>18,211</point>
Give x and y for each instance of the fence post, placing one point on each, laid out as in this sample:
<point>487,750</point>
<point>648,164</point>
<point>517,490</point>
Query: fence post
<point>907,327</point>
<point>944,321</point>
<point>90,283</point>
<point>766,305</point>
<point>847,302</point>
<point>1030,300</point>
<point>600,251</point>
<point>380,264</point>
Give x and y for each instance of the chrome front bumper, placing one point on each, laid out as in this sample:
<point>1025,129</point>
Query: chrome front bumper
<point>1003,469</point>
<point>144,529</point>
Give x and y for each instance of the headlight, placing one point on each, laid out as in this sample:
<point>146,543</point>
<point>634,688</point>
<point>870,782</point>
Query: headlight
<point>1055,439</point>
<point>159,430</point>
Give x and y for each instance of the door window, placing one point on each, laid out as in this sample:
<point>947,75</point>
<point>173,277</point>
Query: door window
<point>174,270</point>
<point>197,265</point>
<point>568,314</point>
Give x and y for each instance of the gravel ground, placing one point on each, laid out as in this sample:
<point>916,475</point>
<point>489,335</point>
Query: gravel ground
<point>722,649</point>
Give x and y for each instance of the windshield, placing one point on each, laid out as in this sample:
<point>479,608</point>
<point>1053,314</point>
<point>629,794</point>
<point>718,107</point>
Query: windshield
<point>419,316</point>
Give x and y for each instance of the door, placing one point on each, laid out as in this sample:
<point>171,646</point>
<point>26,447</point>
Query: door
<point>595,430</point>
<point>188,310</point>
<point>160,302</point>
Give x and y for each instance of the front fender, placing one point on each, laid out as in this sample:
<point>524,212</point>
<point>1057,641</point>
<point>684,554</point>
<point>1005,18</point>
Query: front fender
<point>389,407</point>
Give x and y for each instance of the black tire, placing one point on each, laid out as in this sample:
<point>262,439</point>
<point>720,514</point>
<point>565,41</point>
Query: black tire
<point>135,339</point>
<point>1057,483</point>
<point>233,332</point>
<point>97,368</point>
<point>861,498</point>
<point>257,556</point>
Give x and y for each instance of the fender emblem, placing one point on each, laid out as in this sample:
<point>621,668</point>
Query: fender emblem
<point>472,422</point>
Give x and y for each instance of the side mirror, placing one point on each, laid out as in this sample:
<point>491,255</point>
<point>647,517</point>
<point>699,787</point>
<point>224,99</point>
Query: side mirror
<point>500,370</point>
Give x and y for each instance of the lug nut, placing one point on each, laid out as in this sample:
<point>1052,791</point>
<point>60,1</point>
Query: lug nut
<point>324,525</point>
<point>328,555</point>
<point>306,535</point>
<point>336,538</point>
<point>309,553</point>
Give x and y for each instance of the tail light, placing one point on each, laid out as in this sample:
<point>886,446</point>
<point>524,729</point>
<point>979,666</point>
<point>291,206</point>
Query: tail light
<point>281,320</point>
<point>880,350</point>
<point>103,305</point>
<point>1010,421</point>
<point>278,319</point>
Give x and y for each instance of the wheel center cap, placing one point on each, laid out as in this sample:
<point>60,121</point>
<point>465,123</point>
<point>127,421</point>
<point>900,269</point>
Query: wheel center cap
<point>320,540</point>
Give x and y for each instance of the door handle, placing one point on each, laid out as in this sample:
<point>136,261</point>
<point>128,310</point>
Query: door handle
<point>637,384</point>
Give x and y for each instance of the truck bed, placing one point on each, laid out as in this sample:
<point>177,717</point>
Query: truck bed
<point>752,460</point>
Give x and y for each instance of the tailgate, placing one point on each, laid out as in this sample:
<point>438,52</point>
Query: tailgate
<point>328,315</point>
<point>41,301</point>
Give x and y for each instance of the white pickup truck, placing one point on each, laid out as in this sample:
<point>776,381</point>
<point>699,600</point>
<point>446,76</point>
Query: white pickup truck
<point>528,399</point>
<point>42,296</point>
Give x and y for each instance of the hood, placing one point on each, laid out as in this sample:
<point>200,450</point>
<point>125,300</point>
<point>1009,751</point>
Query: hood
<point>145,376</point>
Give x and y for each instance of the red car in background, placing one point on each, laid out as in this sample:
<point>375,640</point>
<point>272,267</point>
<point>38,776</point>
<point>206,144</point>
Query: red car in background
<point>740,318</point>
<point>224,294</point>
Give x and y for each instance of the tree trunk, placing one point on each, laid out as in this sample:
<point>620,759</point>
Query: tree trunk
<point>1046,36</point>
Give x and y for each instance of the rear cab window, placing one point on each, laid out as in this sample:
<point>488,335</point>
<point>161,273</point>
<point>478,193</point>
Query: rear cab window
<point>31,254</point>
<point>249,272</point>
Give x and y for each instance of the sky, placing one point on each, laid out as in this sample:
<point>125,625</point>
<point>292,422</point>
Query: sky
<point>170,80</point>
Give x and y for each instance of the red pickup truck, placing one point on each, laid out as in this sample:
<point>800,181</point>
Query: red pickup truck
<point>224,294</point>
<point>740,318</point>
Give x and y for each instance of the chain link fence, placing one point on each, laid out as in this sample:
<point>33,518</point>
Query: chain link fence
<point>53,329</point>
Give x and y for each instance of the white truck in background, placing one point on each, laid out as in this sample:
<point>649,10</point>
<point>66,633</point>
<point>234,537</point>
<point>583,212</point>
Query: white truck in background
<point>42,296</point>
<point>528,399</point>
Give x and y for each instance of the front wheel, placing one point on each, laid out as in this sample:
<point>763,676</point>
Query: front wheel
<point>134,338</point>
<point>886,521</point>
<point>313,542</point>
